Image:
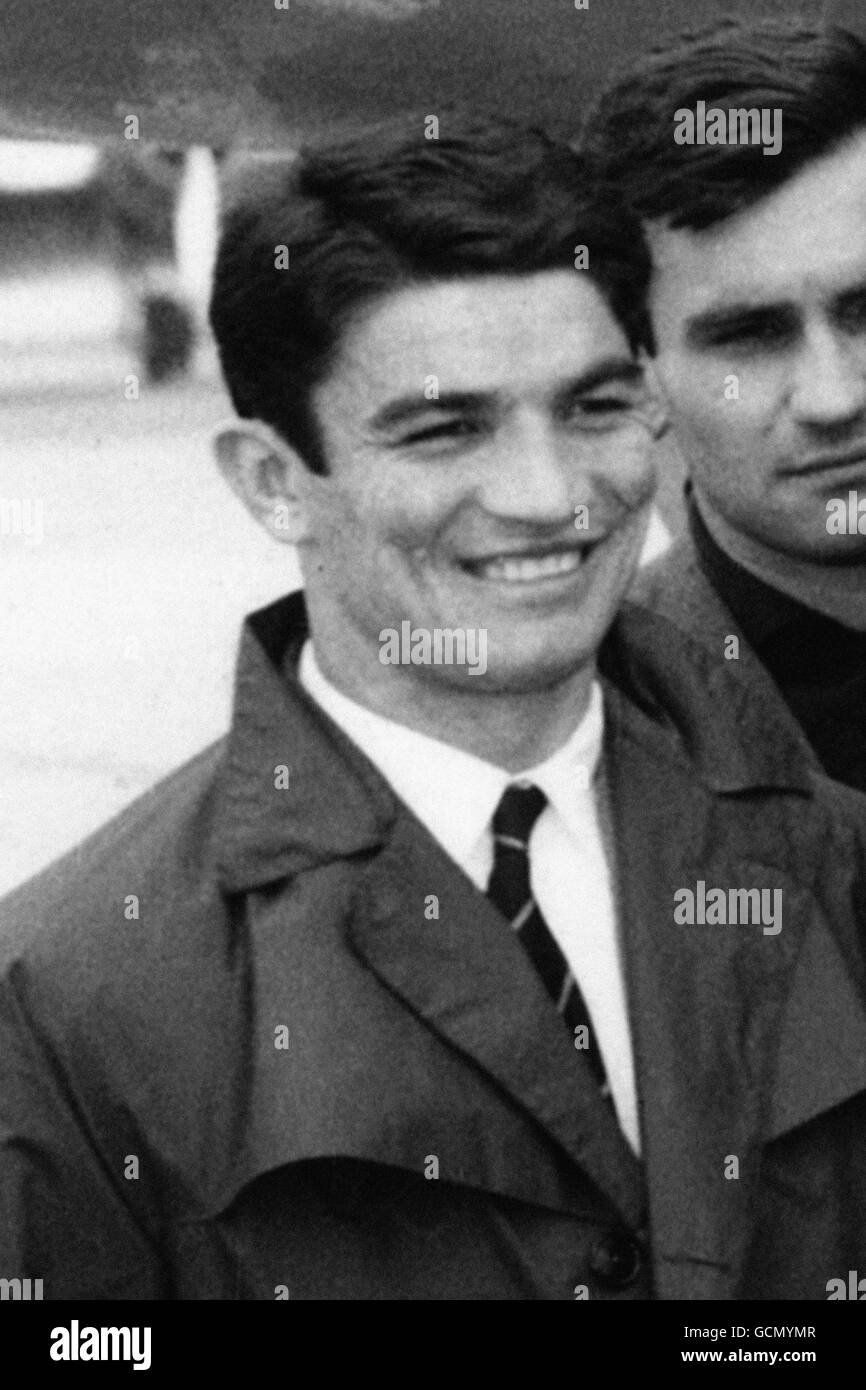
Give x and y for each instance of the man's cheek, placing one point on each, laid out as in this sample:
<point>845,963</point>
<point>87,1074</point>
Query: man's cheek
<point>408,521</point>
<point>717,412</point>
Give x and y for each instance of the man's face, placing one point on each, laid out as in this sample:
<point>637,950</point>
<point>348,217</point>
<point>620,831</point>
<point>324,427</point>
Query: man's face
<point>463,423</point>
<point>776,298</point>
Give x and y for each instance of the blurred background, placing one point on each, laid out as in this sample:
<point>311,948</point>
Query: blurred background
<point>125,565</point>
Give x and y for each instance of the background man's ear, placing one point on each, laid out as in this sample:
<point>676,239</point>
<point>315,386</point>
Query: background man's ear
<point>261,468</point>
<point>656,409</point>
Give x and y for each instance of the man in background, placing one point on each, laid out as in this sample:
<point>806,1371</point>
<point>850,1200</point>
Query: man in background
<point>758,308</point>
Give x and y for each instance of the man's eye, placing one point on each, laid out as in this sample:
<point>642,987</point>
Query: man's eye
<point>852,313</point>
<point>444,430</point>
<point>598,411</point>
<point>598,405</point>
<point>751,337</point>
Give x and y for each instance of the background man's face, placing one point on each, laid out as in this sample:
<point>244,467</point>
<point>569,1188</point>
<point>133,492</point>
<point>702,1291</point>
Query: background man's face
<point>463,421</point>
<point>776,297</point>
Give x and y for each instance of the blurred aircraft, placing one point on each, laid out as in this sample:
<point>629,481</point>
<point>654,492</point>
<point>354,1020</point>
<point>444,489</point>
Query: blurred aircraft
<point>261,73</point>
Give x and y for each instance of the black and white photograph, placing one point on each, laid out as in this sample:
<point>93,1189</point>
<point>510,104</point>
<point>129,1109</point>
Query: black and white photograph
<point>433,681</point>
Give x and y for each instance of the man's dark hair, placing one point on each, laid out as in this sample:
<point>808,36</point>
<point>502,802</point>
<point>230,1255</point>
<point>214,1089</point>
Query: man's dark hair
<point>814,73</point>
<point>364,216</point>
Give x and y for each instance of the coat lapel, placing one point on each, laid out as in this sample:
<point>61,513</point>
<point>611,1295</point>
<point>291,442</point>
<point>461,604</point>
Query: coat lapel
<point>464,976</point>
<point>739,1035</point>
<point>821,1060</point>
<point>676,588</point>
<point>463,1054</point>
<point>467,977</point>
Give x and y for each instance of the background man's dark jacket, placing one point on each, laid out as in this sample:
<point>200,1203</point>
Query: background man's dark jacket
<point>429,1132</point>
<point>809,668</point>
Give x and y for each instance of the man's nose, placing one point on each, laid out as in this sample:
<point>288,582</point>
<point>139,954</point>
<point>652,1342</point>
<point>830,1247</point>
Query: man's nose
<point>531,476</point>
<point>830,382</point>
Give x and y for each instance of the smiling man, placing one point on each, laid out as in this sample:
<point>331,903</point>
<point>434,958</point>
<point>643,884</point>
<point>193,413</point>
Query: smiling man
<point>464,422</point>
<point>758,306</point>
<point>389,995</point>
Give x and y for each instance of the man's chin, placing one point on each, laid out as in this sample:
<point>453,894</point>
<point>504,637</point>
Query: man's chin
<point>512,673</point>
<point>847,551</point>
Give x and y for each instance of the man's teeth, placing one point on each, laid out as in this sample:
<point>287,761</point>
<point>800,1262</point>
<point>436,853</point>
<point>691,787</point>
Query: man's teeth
<point>513,569</point>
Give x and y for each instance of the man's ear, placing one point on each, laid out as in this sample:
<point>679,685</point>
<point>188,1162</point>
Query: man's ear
<point>263,470</point>
<point>657,412</point>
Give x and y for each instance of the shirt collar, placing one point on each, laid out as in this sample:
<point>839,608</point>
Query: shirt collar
<point>659,690</point>
<point>452,792</point>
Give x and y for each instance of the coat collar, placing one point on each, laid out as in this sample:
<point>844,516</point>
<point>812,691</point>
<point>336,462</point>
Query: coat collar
<point>762,613</point>
<point>727,728</point>
<point>676,590</point>
<point>337,804</point>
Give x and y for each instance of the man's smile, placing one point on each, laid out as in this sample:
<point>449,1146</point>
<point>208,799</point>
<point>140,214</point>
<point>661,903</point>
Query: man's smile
<point>529,566</point>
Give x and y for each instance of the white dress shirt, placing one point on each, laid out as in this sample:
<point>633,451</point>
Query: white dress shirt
<point>454,794</point>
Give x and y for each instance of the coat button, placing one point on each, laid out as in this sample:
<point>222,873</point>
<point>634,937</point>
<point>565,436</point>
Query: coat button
<point>616,1260</point>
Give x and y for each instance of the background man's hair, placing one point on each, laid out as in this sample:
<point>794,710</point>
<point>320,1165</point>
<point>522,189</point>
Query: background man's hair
<point>815,73</point>
<point>364,216</point>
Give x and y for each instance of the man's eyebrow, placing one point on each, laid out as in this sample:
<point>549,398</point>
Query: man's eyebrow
<point>705,327</point>
<point>852,292</point>
<point>406,408</point>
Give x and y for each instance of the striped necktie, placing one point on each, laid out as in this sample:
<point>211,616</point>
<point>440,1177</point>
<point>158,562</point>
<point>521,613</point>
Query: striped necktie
<point>509,889</point>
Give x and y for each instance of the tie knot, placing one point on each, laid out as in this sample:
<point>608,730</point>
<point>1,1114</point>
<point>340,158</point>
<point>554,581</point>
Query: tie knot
<point>516,814</point>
